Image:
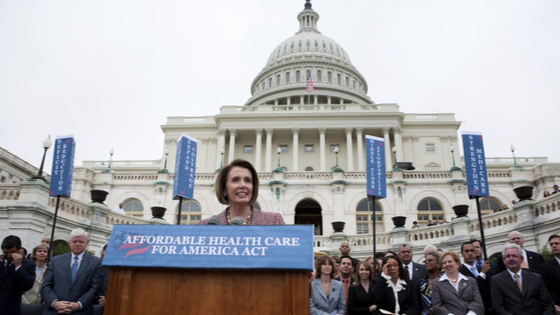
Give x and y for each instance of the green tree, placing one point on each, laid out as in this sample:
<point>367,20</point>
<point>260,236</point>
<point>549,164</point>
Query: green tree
<point>546,253</point>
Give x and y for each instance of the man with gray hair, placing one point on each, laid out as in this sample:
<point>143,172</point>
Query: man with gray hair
<point>519,291</point>
<point>72,280</point>
<point>532,260</point>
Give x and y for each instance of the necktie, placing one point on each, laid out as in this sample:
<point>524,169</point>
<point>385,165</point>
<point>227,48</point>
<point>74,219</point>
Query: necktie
<point>6,268</point>
<point>518,283</point>
<point>74,267</point>
<point>524,265</point>
<point>474,271</point>
<point>407,273</point>
<point>479,264</point>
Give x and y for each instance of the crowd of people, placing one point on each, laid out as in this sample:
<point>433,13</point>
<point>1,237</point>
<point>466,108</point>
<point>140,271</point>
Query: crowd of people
<point>392,283</point>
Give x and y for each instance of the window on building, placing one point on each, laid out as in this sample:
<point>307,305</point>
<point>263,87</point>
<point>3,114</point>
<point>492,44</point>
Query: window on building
<point>298,76</point>
<point>309,169</point>
<point>263,85</point>
<point>248,149</point>
<point>489,204</point>
<point>309,148</point>
<point>2,179</point>
<point>283,148</point>
<point>319,76</point>
<point>364,217</point>
<point>353,84</point>
<point>308,43</point>
<point>270,82</point>
<point>329,76</point>
<point>316,44</point>
<point>134,208</point>
<point>308,74</point>
<point>292,47</point>
<point>339,79</point>
<point>190,212</point>
<point>333,147</point>
<point>278,80</point>
<point>430,209</point>
<point>299,44</point>
<point>430,147</point>
<point>347,81</point>
<point>287,77</point>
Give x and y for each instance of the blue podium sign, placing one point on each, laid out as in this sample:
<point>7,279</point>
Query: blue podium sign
<point>63,166</point>
<point>185,166</point>
<point>210,247</point>
<point>375,168</point>
<point>475,164</point>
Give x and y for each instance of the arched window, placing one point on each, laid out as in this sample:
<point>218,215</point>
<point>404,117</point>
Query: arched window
<point>190,212</point>
<point>364,218</point>
<point>347,81</point>
<point>329,76</point>
<point>319,76</point>
<point>263,85</point>
<point>430,209</point>
<point>287,77</point>
<point>134,208</point>
<point>489,204</point>
<point>278,80</point>
<point>308,74</point>
<point>269,82</point>
<point>298,76</point>
<point>338,79</point>
<point>354,83</point>
<point>309,169</point>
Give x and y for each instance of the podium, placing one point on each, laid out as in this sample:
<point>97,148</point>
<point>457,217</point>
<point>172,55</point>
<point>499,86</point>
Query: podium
<point>271,278</point>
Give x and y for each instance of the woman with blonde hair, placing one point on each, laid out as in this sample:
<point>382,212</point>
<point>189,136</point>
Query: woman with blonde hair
<point>39,256</point>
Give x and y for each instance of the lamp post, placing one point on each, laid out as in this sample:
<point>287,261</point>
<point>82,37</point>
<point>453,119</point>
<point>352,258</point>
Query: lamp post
<point>454,168</point>
<point>108,169</point>
<point>512,149</point>
<point>278,169</point>
<point>222,161</point>
<point>164,169</point>
<point>46,145</point>
<point>396,167</point>
<point>336,168</point>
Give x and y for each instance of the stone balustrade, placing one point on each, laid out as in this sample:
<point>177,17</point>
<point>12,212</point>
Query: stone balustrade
<point>9,192</point>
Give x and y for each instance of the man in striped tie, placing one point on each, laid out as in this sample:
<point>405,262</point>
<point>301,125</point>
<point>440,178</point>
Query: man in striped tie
<point>72,280</point>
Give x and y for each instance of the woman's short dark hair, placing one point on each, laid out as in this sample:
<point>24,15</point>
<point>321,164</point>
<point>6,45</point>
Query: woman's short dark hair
<point>402,273</point>
<point>319,262</point>
<point>221,180</point>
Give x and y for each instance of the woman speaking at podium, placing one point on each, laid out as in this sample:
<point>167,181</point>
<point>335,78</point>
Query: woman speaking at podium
<point>237,185</point>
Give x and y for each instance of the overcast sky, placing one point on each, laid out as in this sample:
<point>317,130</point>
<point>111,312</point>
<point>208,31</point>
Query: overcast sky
<point>111,72</point>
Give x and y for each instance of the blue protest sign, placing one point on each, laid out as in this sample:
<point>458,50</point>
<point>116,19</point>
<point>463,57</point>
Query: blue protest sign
<point>63,166</point>
<point>185,166</point>
<point>375,168</point>
<point>204,246</point>
<point>475,164</point>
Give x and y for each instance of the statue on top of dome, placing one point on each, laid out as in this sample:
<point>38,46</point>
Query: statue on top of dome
<point>308,4</point>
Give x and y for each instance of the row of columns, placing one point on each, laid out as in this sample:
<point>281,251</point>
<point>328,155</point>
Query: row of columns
<point>303,100</point>
<point>268,132</point>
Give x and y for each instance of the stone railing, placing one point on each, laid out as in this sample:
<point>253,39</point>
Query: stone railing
<point>147,177</point>
<point>430,232</point>
<point>9,192</point>
<point>308,175</point>
<point>427,175</point>
<point>493,220</point>
<point>548,205</point>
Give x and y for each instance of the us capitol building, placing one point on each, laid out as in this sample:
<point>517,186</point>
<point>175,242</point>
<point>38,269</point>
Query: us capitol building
<point>309,151</point>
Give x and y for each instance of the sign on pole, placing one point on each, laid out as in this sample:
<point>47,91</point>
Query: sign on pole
<point>63,166</point>
<point>185,165</point>
<point>475,164</point>
<point>375,154</point>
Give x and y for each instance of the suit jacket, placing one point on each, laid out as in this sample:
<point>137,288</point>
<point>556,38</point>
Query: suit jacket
<point>446,300</point>
<point>550,272</point>
<point>359,300</point>
<point>323,305</point>
<point>534,261</point>
<point>258,218</point>
<point>385,298</point>
<point>483,287</point>
<point>418,274</point>
<point>58,283</point>
<point>13,284</point>
<point>508,300</point>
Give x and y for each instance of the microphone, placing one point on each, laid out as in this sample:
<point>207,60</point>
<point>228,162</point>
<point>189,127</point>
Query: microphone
<point>214,220</point>
<point>237,221</point>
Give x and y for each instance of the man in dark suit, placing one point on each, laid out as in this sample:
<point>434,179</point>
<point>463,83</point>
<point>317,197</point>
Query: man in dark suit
<point>479,260</point>
<point>532,260</point>
<point>469,269</point>
<point>17,275</point>
<point>550,272</point>
<point>72,280</point>
<point>415,271</point>
<point>518,291</point>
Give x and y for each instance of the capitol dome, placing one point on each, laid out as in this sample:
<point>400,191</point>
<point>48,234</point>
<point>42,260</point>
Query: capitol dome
<point>283,79</point>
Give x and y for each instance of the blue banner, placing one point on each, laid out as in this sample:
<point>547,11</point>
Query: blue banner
<point>375,168</point>
<point>204,246</point>
<point>475,164</point>
<point>63,166</point>
<point>185,166</point>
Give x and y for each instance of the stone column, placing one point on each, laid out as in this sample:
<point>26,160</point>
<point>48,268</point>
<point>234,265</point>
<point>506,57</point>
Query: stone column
<point>315,99</point>
<point>360,142</point>
<point>398,143</point>
<point>288,99</point>
<point>258,144</point>
<point>301,100</point>
<point>231,154</point>
<point>328,100</point>
<point>268,150</point>
<point>203,153</point>
<point>295,136</point>
<point>322,151</point>
<point>349,153</point>
<point>221,146</point>
<point>388,152</point>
